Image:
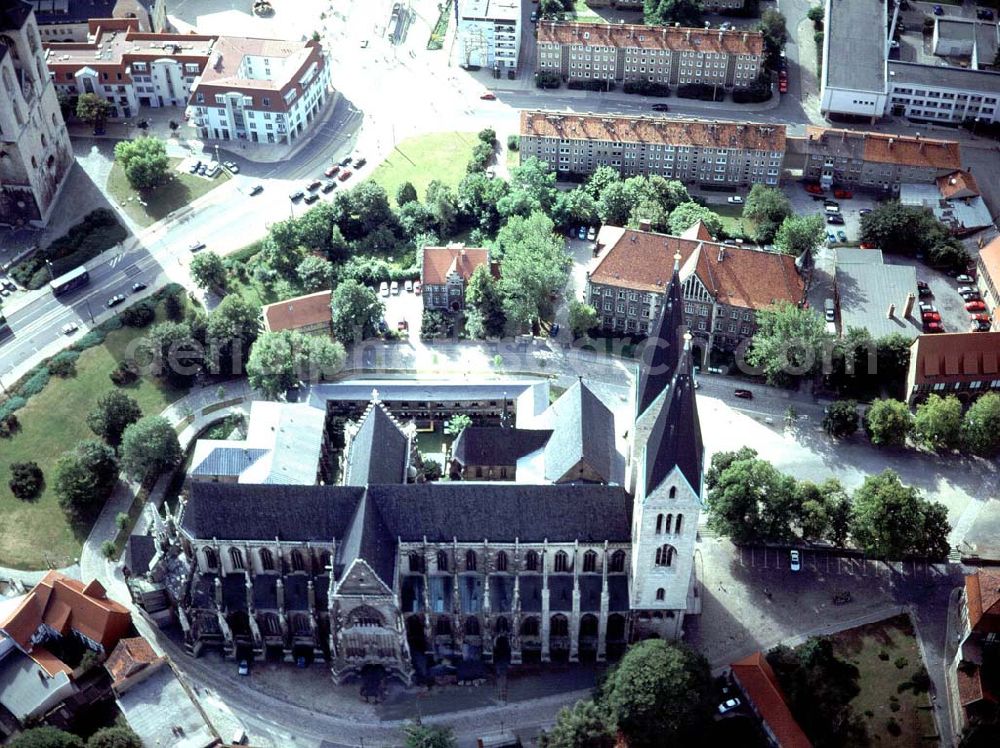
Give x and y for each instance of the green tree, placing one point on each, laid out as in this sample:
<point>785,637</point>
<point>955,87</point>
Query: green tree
<point>614,206</point>
<point>315,273</point>
<point>574,207</point>
<point>484,306</point>
<point>457,424</point>
<point>599,180</point>
<point>938,424</point>
<point>114,412</point>
<point>799,234</point>
<point>26,480</point>
<point>280,360</point>
<point>478,197</point>
<point>582,725</point>
<point>981,426</point>
<point>416,219</point>
<point>912,230</point>
<point>815,14</point>
<point>888,422</point>
<point>839,512</point>
<point>355,311</point>
<point>114,737</point>
<point>686,215</point>
<point>841,418</point>
<point>209,271</point>
<point>821,511</point>
<point>535,265</point>
<point>893,521</point>
<point>150,447</point>
<point>443,205</point>
<point>748,499</point>
<point>659,695</point>
<point>314,229</point>
<point>671,12</point>
<point>176,354</point>
<point>92,109</point>
<point>85,477</point>
<point>45,737</point>
<point>536,181</point>
<point>230,332</point>
<point>772,24</point>
<point>767,207</point>
<point>405,193</point>
<point>144,161</point>
<point>789,341</point>
<point>582,318</point>
<point>428,736</point>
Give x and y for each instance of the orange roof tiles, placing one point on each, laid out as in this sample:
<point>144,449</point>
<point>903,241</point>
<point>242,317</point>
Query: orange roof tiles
<point>65,604</point>
<point>49,662</point>
<point>653,130</point>
<point>652,37</point>
<point>760,684</point>
<point>440,262</point>
<point>956,357</point>
<point>989,258</point>
<point>982,600</point>
<point>129,657</point>
<point>968,677</point>
<point>738,276</point>
<point>302,311</point>
<point>958,184</point>
<point>904,151</point>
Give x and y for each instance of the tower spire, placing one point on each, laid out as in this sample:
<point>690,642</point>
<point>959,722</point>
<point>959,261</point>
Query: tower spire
<point>662,349</point>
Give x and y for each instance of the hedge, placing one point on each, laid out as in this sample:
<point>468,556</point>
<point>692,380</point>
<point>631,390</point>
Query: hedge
<point>546,79</point>
<point>647,88</point>
<point>753,94</point>
<point>702,91</point>
<point>591,85</point>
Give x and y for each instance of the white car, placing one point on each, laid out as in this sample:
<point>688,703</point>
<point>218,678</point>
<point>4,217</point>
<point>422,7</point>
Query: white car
<point>965,279</point>
<point>394,288</point>
<point>70,327</point>
<point>196,246</point>
<point>735,200</point>
<point>728,705</point>
<point>591,234</point>
<point>408,286</point>
<point>383,289</point>
<point>796,561</point>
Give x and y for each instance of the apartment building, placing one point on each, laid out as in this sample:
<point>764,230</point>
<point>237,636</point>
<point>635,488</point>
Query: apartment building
<point>964,364</point>
<point>693,151</point>
<point>69,20</point>
<point>723,285</point>
<point>261,90</point>
<point>654,54</point>
<point>489,33</point>
<point>870,159</point>
<point>35,152</point>
<point>129,68</point>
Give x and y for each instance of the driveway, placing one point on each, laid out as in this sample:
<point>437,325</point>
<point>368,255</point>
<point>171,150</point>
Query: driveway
<point>408,307</point>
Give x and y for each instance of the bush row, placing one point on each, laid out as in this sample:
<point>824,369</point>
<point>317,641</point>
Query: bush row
<point>702,91</point>
<point>647,88</point>
<point>591,85</point>
<point>753,94</point>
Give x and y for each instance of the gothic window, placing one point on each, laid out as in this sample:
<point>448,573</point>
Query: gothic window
<point>364,615</point>
<point>442,561</point>
<point>529,627</point>
<point>211,562</point>
<point>502,626</point>
<point>659,523</point>
<point>561,561</point>
<point>416,563</point>
<point>470,560</point>
<point>668,523</point>
<point>617,561</point>
<point>236,556</point>
<point>661,594</point>
<point>673,492</point>
<point>665,555</point>
<point>680,520</point>
<point>531,561</point>
<point>266,560</point>
<point>590,561</point>
<point>472,626</point>
<point>559,625</point>
<point>298,563</point>
<point>502,561</point>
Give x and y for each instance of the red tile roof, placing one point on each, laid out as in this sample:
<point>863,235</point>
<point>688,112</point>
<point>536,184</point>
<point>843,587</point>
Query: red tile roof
<point>129,657</point>
<point>738,276</point>
<point>906,151</point>
<point>982,600</point>
<point>637,36</point>
<point>958,184</point>
<point>49,662</point>
<point>760,684</point>
<point>970,684</point>
<point>440,262</point>
<point>955,357</point>
<point>302,311</point>
<point>65,604</point>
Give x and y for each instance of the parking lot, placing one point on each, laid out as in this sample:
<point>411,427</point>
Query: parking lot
<point>944,294</point>
<point>803,203</point>
<point>404,306</point>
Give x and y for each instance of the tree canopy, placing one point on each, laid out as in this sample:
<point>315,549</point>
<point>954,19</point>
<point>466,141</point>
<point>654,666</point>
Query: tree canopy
<point>45,737</point>
<point>484,307</point>
<point>799,233</point>
<point>92,109</point>
<point>938,424</point>
<point>534,266</point>
<point>144,161</point>
<point>789,341</point>
<point>669,12</point>
<point>150,447</point>
<point>841,418</point>
<point>582,318</point>
<point>356,311</point>
<point>280,360</point>
<point>981,426</point>
<point>749,500</point>
<point>888,422</point>
<point>114,737</point>
<point>114,411</point>
<point>85,477</point>
<point>582,725</point>
<point>767,207</point>
<point>428,736</point>
<point>209,271</point>
<point>685,215</point>
<point>893,521</point>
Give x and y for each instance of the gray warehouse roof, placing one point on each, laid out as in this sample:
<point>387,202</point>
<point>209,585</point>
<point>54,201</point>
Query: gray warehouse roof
<point>856,32</point>
<point>865,291</point>
<point>944,76</point>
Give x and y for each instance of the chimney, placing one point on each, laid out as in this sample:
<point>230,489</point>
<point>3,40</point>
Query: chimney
<point>892,311</point>
<point>908,307</point>
<point>891,143</point>
<point>687,36</point>
<point>921,146</point>
<point>644,224</point>
<point>722,252</point>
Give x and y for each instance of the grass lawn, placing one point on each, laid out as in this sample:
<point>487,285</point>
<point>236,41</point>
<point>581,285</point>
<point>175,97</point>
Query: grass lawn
<point>34,534</point>
<point>176,193</point>
<point>879,680</point>
<point>732,219</point>
<point>585,14</point>
<point>422,159</point>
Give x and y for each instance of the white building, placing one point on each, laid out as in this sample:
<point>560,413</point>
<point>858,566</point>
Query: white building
<point>489,33</point>
<point>35,153</point>
<point>854,58</point>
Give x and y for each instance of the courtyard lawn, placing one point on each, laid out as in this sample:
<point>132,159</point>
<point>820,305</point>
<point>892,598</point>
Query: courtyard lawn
<point>422,159</point>
<point>583,13</point>
<point>182,189</point>
<point>732,219</point>
<point>36,534</point>
<point>880,680</point>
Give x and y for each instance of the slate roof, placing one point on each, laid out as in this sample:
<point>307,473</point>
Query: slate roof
<point>250,512</point>
<point>139,553</point>
<point>582,429</point>
<point>228,461</point>
<point>487,445</point>
<point>368,539</point>
<point>72,11</point>
<point>662,348</point>
<point>14,14</point>
<point>378,452</point>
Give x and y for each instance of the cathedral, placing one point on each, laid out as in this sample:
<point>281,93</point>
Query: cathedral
<point>563,531</point>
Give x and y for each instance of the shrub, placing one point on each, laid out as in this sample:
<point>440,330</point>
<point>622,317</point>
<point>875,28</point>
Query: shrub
<point>124,375</point>
<point>26,480</point>
<point>90,340</point>
<point>64,364</point>
<point>901,662</point>
<point>173,307</point>
<point>121,520</point>
<point>513,142</point>
<point>702,91</point>
<point>9,425</point>
<point>591,85</point>
<point>8,407</point>
<point>646,88</point>
<point>108,550</point>
<point>547,80</point>
<point>139,315</point>
<point>893,727</point>
<point>921,680</point>
<point>755,93</point>
<point>894,706</point>
<point>883,655</point>
<point>36,382</point>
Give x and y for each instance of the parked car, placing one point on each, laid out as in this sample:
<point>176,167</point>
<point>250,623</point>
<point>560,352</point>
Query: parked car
<point>814,189</point>
<point>831,237</point>
<point>735,200</point>
<point>783,85</point>
<point>202,169</point>
<point>971,296</point>
<point>591,234</point>
<point>311,198</point>
<point>984,14</point>
<point>394,288</point>
<point>975,306</point>
<point>743,394</point>
<point>830,310</point>
<point>345,175</point>
<point>980,317</point>
<point>402,325</point>
<point>115,300</point>
<point>314,185</point>
<point>554,330</point>
<point>417,287</point>
<point>795,561</point>
<point>9,284</point>
<point>979,326</point>
<point>660,108</point>
<point>835,219</point>
<point>408,286</point>
<point>359,161</point>
<point>965,279</point>
<point>331,171</point>
<point>243,668</point>
<point>232,166</point>
<point>922,284</point>
<point>70,327</point>
<point>346,161</point>
<point>938,10</point>
<point>962,290</point>
<point>581,233</point>
<point>328,186</point>
<point>925,307</point>
<point>137,287</point>
<point>196,246</point>
<point>931,317</point>
<point>843,194</point>
<point>488,96</point>
<point>194,167</point>
<point>868,245</point>
<point>864,211</point>
<point>933,327</point>
<point>256,189</point>
<point>383,289</point>
<point>842,236</point>
<point>728,705</point>
<point>296,195</point>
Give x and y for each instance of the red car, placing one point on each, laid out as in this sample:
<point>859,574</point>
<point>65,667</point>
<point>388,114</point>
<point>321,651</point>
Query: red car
<point>980,317</point>
<point>402,325</point>
<point>975,306</point>
<point>488,97</point>
<point>933,327</point>
<point>331,170</point>
<point>843,194</point>
<point>783,85</point>
<point>931,317</point>
<point>868,245</point>
<point>814,189</point>
<point>344,175</point>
